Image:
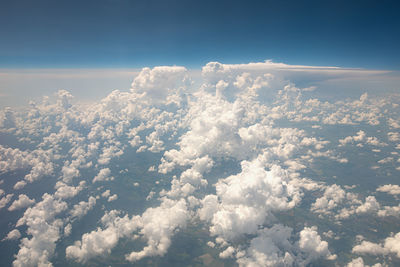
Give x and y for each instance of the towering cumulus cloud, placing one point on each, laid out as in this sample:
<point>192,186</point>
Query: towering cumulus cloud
<point>238,166</point>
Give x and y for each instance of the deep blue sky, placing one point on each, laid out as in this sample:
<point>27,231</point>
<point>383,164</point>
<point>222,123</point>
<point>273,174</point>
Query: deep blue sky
<point>122,33</point>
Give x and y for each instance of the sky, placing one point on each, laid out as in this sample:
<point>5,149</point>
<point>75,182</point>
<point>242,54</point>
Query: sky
<point>134,34</point>
<point>181,133</point>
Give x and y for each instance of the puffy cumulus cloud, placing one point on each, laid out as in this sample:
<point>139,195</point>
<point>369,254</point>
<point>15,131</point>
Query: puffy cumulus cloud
<point>390,189</point>
<point>227,253</point>
<point>367,247</point>
<point>155,225</point>
<point>361,138</point>
<point>244,201</point>
<point>272,247</point>
<point>341,205</point>
<point>13,235</point>
<point>310,243</point>
<point>370,205</point>
<point>7,120</point>
<point>391,245</point>
<point>44,230</point>
<point>79,210</point>
<point>385,160</point>
<point>13,159</point>
<point>158,225</point>
<point>190,179</point>
<point>393,136</point>
<point>19,185</point>
<point>162,84</point>
<point>219,128</point>
<point>296,107</point>
<point>101,241</point>
<point>103,175</point>
<point>4,200</point>
<point>64,191</point>
<point>389,211</point>
<point>211,131</point>
<point>374,141</point>
<point>67,229</point>
<point>69,172</point>
<point>356,138</point>
<point>112,198</point>
<point>106,193</point>
<point>39,161</point>
<point>332,197</point>
<point>394,123</point>
<point>109,153</point>
<point>23,201</point>
<point>64,98</point>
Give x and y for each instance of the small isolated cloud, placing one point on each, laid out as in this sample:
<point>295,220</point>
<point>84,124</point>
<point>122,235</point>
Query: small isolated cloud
<point>103,175</point>
<point>112,198</point>
<point>23,201</point>
<point>390,189</point>
<point>13,235</point>
<point>65,191</point>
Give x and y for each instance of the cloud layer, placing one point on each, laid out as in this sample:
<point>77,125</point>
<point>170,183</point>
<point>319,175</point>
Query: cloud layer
<point>236,153</point>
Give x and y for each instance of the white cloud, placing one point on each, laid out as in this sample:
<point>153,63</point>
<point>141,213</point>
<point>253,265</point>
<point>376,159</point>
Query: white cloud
<point>394,136</point>
<point>100,242</point>
<point>13,235</point>
<point>244,201</point>
<point>385,160</point>
<point>310,243</point>
<point>103,175</point>
<point>391,245</point>
<point>44,230</point>
<point>106,193</point>
<point>370,205</point>
<point>158,225</point>
<point>4,201</point>
<point>350,139</point>
<point>389,211</point>
<point>333,196</point>
<point>67,229</point>
<point>160,84</point>
<point>23,201</point>
<point>390,189</point>
<point>112,198</point>
<point>65,191</point>
<point>19,185</point>
<point>82,208</point>
<point>227,253</point>
<point>270,248</point>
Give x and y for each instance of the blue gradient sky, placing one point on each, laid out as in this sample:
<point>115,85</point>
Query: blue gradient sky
<point>131,34</point>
